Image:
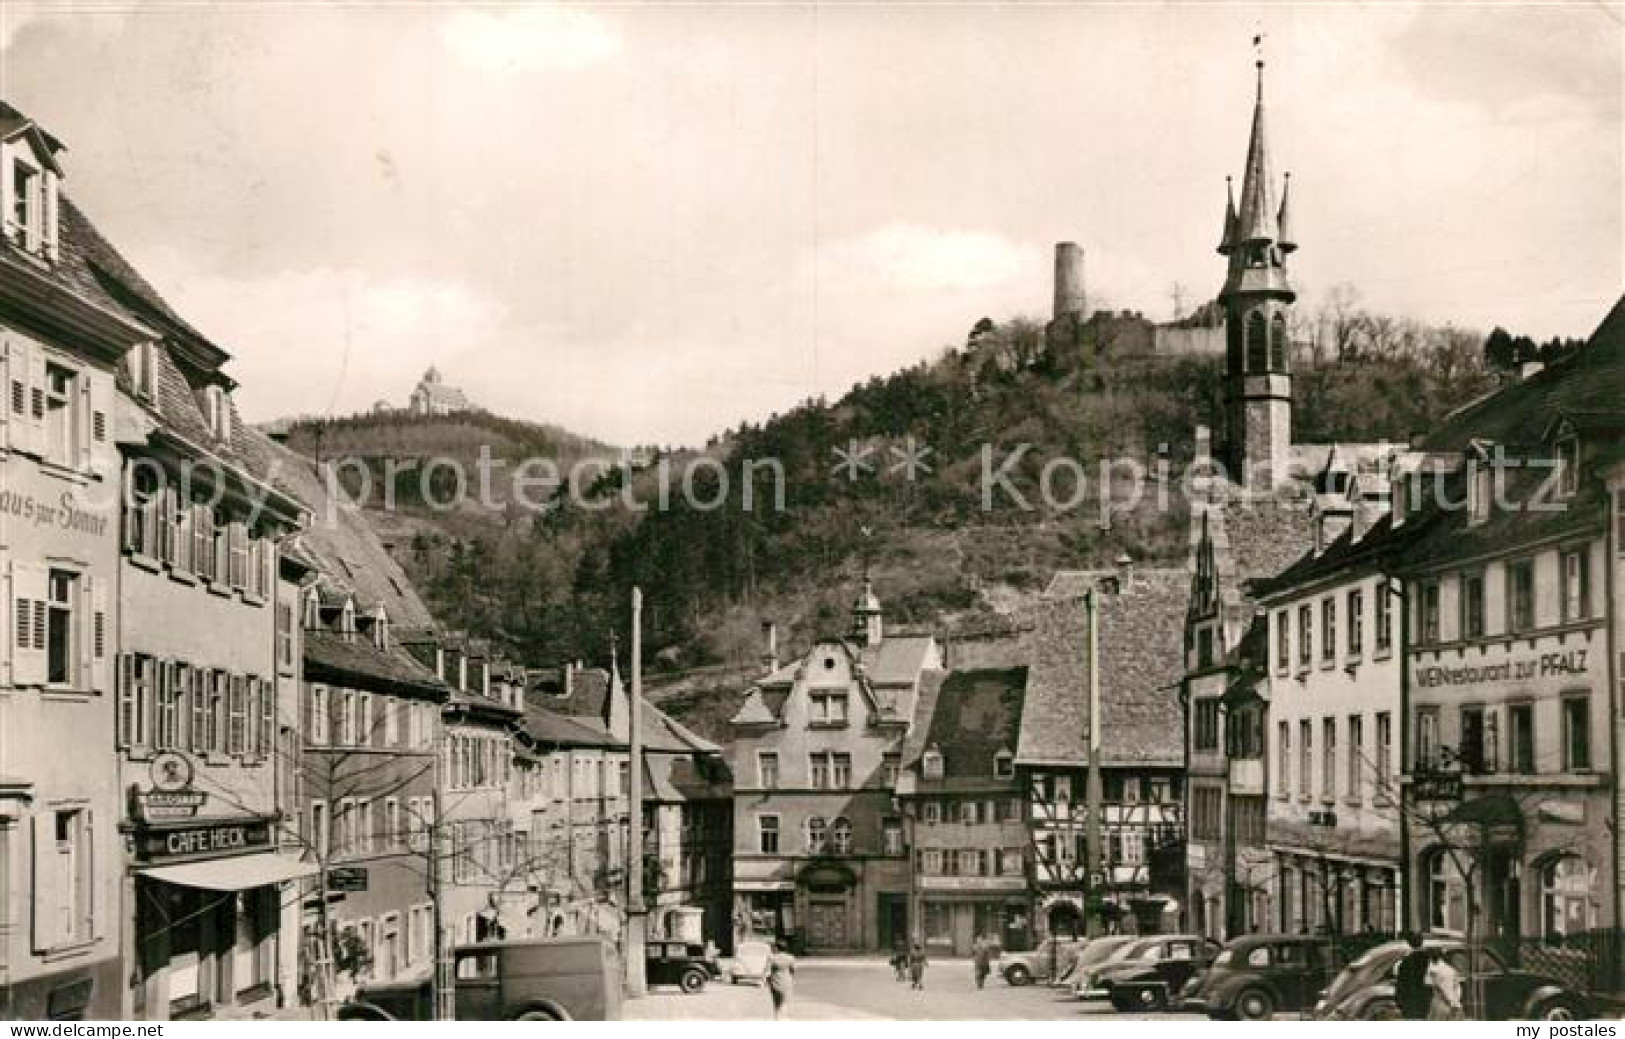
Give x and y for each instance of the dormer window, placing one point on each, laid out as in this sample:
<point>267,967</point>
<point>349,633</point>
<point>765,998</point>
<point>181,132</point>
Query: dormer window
<point>380,630</point>
<point>1568,462</point>
<point>347,619</point>
<point>27,203</point>
<point>931,762</point>
<point>1004,765</point>
<point>313,610</point>
<point>144,369</point>
<point>217,410</point>
<point>1480,490</point>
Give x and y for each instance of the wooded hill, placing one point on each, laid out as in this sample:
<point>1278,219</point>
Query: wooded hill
<point>551,584</point>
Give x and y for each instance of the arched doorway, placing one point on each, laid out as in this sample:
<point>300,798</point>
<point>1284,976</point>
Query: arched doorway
<point>1065,920</point>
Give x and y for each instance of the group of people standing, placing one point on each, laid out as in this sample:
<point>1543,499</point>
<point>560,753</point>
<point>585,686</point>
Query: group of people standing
<point>909,964</point>
<point>1427,986</point>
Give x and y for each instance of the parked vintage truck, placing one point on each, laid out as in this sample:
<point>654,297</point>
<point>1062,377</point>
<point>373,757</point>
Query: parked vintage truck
<point>560,979</point>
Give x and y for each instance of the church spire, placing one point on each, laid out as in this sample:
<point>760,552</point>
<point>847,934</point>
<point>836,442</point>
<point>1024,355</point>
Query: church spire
<point>1256,217</point>
<point>1227,240</point>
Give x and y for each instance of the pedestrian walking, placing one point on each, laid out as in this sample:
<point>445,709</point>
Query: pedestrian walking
<point>982,959</point>
<point>899,962</point>
<point>1444,982</point>
<point>916,966</point>
<point>781,969</point>
<point>1411,989</point>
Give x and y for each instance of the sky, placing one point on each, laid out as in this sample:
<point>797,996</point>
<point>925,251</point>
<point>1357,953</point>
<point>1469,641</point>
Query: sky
<point>649,223</point>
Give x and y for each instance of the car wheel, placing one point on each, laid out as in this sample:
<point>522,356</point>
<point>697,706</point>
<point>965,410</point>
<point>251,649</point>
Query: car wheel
<point>1018,976</point>
<point>692,980</point>
<point>536,1014</point>
<point>1559,1008</point>
<point>1255,1004</point>
<point>1152,999</point>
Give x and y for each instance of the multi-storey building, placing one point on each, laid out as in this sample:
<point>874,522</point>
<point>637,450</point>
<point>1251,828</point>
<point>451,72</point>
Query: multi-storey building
<point>966,810</point>
<point>1333,670</point>
<point>62,334</point>
<point>1111,691</point>
<point>817,746</point>
<point>198,673</point>
<point>1510,676</point>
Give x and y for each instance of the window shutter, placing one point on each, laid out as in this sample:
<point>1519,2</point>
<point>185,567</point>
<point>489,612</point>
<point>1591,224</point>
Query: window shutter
<point>200,711</point>
<point>84,431</point>
<point>88,850</point>
<point>267,717</point>
<point>47,922</point>
<point>125,720</point>
<point>101,635</point>
<point>8,408</point>
<point>36,400</point>
<point>28,610</point>
<point>35,241</point>
<point>85,620</point>
<point>51,211</point>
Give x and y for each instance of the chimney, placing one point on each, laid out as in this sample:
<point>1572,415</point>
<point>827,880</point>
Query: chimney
<point>770,654</point>
<point>1330,525</point>
<point>1069,295</point>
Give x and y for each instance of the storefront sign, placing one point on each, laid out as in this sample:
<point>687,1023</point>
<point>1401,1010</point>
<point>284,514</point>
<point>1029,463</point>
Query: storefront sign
<point>1437,786</point>
<point>347,878</point>
<point>159,805</point>
<point>1560,663</point>
<point>932,883</point>
<point>65,513</point>
<point>155,845</point>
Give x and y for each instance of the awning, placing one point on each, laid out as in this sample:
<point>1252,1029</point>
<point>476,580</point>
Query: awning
<point>238,873</point>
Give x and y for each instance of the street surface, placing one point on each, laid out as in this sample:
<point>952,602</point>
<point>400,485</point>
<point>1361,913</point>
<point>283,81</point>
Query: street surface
<point>864,990</point>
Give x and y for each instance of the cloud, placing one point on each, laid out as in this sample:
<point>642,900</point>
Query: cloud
<point>928,259</point>
<point>530,37</point>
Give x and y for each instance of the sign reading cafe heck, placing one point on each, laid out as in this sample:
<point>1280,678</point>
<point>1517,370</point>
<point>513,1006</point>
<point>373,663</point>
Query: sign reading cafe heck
<point>1555,664</point>
<point>203,841</point>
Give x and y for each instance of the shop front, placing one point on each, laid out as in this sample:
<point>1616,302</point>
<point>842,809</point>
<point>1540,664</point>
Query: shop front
<point>208,918</point>
<point>957,912</point>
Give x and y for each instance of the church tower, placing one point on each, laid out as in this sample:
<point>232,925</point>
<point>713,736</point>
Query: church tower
<point>1256,298</point>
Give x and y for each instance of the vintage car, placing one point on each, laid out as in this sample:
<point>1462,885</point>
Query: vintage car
<point>1101,951</point>
<point>1364,990</point>
<point>1052,958</point>
<point>688,967</point>
<point>560,979</point>
<point>748,963</point>
<point>1259,975</point>
<point>1152,971</point>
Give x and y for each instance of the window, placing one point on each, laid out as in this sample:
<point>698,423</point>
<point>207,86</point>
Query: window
<point>319,828</point>
<point>1283,753</point>
<point>1383,757</point>
<point>970,862</point>
<point>1576,586</point>
<point>828,709</point>
<point>840,774</point>
<point>1472,606</point>
<point>390,709</point>
<point>1306,758</point>
<point>1010,862</point>
<point>63,897</point>
<point>1328,630</point>
<point>1576,734</point>
<point>1207,723</point>
<point>1428,618</point>
<point>61,415</point>
<point>392,822</point>
<point>237,734</point>
<point>1356,623</point>
<point>819,769</point>
<point>967,812</point>
<point>171,706</point>
<point>931,812</point>
<point>890,765</point>
<point>1004,765</point>
<point>767,834</point>
<point>1206,806</point>
<point>1305,625</point>
<point>817,832</point>
<point>318,715</point>
<point>1204,647</point>
<point>1328,759</point>
<point>1383,618</point>
<point>840,836</point>
<point>60,655</point>
<point>27,205</point>
<point>1356,788</point>
<point>1520,596</point>
<point>363,729</point>
<point>1567,889</point>
<point>767,769</point>
<point>1480,490</point>
<point>1063,789</point>
<point>1131,790</point>
<point>1471,751</point>
<point>1568,461</point>
<point>931,861</point>
<point>891,837</point>
<point>1521,726</point>
<point>1283,642</point>
<point>1247,814</point>
<point>931,763</point>
<point>203,541</point>
<point>135,701</point>
<point>1427,738</point>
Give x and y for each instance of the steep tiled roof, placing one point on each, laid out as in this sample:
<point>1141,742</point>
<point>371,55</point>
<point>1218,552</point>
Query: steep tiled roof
<point>549,727</point>
<point>897,660</point>
<point>357,662</point>
<point>1141,641</point>
<point>969,716</point>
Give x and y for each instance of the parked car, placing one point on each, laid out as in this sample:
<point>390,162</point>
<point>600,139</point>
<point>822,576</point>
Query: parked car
<point>1152,971</point>
<point>1100,952</point>
<point>1256,976</point>
<point>1051,958</point>
<point>748,963</point>
<point>560,979</point>
<point>677,963</point>
<point>1364,990</point>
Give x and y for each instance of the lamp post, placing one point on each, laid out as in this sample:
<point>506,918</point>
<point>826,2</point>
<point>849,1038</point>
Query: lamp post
<point>637,983</point>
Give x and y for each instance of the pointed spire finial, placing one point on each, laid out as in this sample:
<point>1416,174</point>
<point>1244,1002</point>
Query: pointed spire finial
<point>1258,62</point>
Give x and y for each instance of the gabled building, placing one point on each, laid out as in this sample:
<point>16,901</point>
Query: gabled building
<point>1112,693</point>
<point>1509,556</point>
<point>62,338</point>
<point>817,747</point>
<point>965,810</point>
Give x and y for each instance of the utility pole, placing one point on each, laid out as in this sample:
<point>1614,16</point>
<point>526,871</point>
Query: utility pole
<point>636,913</point>
<point>444,981</point>
<point>1092,791</point>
